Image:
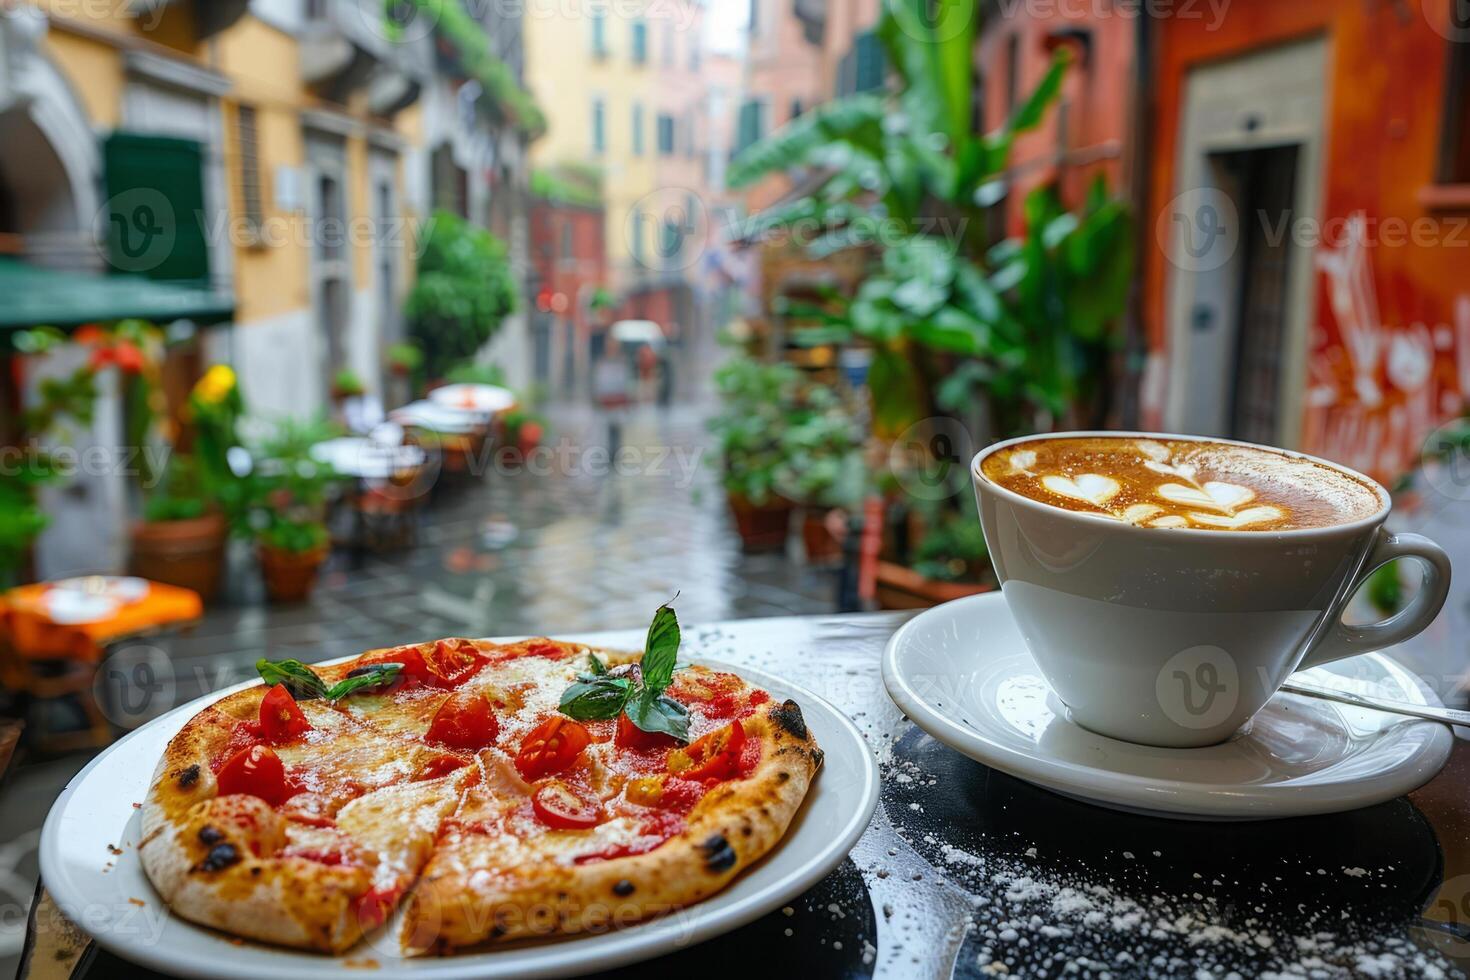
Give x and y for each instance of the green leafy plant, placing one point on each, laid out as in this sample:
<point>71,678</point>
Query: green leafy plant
<point>1024,326</point>
<point>289,487</point>
<point>953,549</point>
<point>347,384</point>
<point>464,291</point>
<point>180,495</point>
<point>822,450</point>
<point>756,403</point>
<point>404,358</point>
<point>600,694</point>
<point>569,183</point>
<point>517,422</point>
<point>472,48</point>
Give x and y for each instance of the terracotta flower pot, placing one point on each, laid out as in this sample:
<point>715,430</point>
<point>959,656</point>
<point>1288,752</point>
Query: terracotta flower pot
<point>821,546</point>
<point>290,575</point>
<point>188,553</point>
<point>899,587</point>
<point>762,527</point>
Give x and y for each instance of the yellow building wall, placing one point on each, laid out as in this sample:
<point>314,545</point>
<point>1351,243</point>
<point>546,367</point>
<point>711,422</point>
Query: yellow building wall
<point>565,78</point>
<point>271,278</point>
<point>95,72</point>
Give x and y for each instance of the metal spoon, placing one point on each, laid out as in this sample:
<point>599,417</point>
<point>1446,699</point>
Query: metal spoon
<point>1450,716</point>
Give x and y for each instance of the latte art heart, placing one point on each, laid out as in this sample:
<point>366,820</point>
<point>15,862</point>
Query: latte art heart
<point>1171,482</point>
<point>1213,494</point>
<point>1090,487</point>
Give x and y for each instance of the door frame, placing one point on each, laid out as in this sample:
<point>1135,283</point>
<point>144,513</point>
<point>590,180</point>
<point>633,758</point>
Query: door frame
<point>1269,97</point>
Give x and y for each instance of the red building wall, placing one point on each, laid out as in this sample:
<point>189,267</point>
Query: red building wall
<point>572,276</point>
<point>1389,350</point>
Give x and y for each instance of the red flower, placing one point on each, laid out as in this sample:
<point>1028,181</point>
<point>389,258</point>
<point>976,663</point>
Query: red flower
<point>101,357</point>
<point>89,334</point>
<point>128,357</point>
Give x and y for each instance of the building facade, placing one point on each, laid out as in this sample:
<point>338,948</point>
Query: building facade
<point>278,152</point>
<point>1309,191</point>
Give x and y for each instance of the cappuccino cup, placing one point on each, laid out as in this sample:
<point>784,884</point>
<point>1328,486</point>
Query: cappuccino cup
<point>1167,585</point>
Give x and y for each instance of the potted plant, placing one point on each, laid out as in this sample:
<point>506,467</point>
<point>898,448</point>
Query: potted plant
<point>822,470</point>
<point>464,290</point>
<point>180,539</point>
<point>288,504</point>
<point>346,384</point>
<point>948,562</point>
<point>404,359</point>
<point>521,431</point>
<point>756,400</point>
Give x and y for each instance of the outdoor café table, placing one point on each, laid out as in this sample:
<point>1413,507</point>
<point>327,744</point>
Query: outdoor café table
<point>448,419</point>
<point>360,457</point>
<point>964,868</point>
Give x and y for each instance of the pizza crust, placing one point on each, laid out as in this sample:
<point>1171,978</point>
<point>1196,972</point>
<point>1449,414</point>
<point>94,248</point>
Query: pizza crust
<point>249,890</point>
<point>731,828</point>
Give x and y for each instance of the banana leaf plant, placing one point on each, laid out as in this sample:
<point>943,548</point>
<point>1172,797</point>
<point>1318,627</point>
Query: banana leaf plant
<point>1025,326</point>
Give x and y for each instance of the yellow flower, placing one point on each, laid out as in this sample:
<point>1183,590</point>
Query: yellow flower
<point>216,384</point>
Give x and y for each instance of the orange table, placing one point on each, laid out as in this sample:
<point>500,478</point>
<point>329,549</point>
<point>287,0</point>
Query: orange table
<point>41,659</point>
<point>33,635</point>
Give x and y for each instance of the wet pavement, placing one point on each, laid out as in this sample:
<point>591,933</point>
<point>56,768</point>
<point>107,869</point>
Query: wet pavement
<point>572,540</point>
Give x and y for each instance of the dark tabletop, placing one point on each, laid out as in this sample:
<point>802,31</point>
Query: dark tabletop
<point>968,872</point>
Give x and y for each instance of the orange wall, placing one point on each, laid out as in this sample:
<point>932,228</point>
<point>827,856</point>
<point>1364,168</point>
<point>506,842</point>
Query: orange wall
<point>1371,401</point>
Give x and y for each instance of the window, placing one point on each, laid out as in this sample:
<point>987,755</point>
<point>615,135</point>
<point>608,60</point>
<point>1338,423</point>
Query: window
<point>752,123</point>
<point>640,42</point>
<point>795,108</point>
<point>1454,153</point>
<point>248,139</point>
<point>636,230</point>
<point>665,134</point>
<point>1013,73</point>
<point>754,24</point>
<point>566,239</point>
<point>599,126</point>
<point>598,20</point>
<point>668,44</point>
<point>637,129</point>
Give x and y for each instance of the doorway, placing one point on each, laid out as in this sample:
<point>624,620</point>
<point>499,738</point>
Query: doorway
<point>1248,173</point>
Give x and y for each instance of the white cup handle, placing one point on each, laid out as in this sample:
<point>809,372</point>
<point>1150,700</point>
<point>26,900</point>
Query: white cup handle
<point>1349,641</point>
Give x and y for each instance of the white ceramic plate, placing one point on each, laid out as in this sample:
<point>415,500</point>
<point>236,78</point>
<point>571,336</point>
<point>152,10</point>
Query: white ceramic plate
<point>124,588</point>
<point>962,672</point>
<point>109,895</point>
<point>68,607</point>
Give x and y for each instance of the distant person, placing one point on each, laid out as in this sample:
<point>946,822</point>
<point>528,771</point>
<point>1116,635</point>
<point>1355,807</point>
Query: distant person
<point>610,383</point>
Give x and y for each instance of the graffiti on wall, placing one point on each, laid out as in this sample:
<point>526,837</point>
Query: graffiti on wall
<point>1380,388</point>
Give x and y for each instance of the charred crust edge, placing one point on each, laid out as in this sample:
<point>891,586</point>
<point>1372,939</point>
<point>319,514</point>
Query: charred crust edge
<point>718,854</point>
<point>788,716</point>
<point>220,856</point>
<point>188,776</point>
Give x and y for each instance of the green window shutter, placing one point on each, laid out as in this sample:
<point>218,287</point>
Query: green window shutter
<point>749,129</point>
<point>155,200</point>
<point>640,42</point>
<point>869,68</point>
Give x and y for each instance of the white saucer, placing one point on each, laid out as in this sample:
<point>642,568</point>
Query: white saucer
<point>107,893</point>
<point>963,674</point>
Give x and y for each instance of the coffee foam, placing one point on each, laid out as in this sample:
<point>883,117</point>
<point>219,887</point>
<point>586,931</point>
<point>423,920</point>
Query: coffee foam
<point>1180,483</point>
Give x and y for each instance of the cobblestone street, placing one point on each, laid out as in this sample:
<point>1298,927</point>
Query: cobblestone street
<point>563,546</point>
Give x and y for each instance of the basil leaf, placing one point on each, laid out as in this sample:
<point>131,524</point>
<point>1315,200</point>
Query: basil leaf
<point>661,649</point>
<point>596,666</point>
<point>375,675</point>
<point>653,712</point>
<point>300,680</point>
<point>595,700</point>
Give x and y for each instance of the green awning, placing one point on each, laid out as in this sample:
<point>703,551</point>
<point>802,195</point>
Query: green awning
<point>31,296</point>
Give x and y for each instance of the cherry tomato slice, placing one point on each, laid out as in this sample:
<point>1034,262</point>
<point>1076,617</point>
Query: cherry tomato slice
<point>559,806</point>
<point>713,756</point>
<point>551,747</point>
<point>447,664</point>
<point>630,736</point>
<point>281,719</point>
<point>255,771</point>
<point>440,765</point>
<point>464,721</point>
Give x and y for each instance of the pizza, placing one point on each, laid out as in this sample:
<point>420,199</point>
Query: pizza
<point>489,791</point>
